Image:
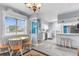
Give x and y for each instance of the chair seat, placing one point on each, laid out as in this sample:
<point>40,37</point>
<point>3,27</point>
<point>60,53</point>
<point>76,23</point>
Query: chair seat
<point>29,42</point>
<point>16,47</point>
<point>4,46</point>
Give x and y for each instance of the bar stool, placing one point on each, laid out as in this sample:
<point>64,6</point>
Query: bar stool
<point>66,42</point>
<point>62,42</point>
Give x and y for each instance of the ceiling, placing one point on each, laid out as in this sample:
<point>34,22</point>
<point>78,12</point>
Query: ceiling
<point>48,11</point>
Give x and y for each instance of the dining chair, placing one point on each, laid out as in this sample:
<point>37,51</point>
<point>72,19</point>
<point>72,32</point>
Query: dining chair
<point>4,47</point>
<point>77,51</point>
<point>27,43</point>
<point>15,47</point>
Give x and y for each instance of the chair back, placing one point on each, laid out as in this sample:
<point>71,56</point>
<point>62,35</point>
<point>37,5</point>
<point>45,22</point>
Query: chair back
<point>15,44</point>
<point>4,46</point>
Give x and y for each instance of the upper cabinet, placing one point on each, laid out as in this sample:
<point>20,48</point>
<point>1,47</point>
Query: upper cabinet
<point>68,17</point>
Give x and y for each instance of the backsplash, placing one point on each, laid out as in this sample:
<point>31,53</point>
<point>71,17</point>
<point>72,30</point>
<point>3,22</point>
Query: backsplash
<point>71,29</point>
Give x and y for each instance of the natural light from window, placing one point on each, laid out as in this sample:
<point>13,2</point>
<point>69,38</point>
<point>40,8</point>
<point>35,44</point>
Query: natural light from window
<point>14,26</point>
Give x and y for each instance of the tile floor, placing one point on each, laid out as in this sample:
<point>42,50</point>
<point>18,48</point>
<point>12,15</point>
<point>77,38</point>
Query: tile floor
<point>52,49</point>
<point>34,53</point>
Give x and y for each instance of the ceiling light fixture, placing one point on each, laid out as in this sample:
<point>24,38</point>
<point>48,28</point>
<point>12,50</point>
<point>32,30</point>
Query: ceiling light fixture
<point>33,6</point>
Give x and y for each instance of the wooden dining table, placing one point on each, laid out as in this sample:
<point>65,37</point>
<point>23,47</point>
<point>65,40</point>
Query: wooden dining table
<point>18,38</point>
<point>28,42</point>
<point>25,40</point>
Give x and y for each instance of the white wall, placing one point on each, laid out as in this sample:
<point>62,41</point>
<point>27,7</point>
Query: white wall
<point>1,26</point>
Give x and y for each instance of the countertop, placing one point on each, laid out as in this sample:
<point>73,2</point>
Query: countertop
<point>73,34</point>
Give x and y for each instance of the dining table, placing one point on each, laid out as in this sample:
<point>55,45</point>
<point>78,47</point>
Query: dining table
<point>25,41</point>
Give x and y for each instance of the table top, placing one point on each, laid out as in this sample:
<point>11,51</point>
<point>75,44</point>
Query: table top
<point>19,38</point>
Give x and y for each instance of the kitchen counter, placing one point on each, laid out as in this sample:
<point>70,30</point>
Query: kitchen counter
<point>68,34</point>
<point>73,36</point>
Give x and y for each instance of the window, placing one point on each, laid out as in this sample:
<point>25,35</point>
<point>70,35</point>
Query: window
<point>20,26</point>
<point>14,26</point>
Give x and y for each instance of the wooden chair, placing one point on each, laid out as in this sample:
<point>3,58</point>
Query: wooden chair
<point>77,51</point>
<point>15,46</point>
<point>4,46</point>
<point>4,49</point>
<point>27,43</point>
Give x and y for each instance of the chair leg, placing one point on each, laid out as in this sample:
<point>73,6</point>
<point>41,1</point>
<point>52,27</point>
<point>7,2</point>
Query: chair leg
<point>30,47</point>
<point>21,51</point>
<point>61,42</point>
<point>65,43</point>
<point>70,44</point>
<point>9,50</point>
<point>11,53</point>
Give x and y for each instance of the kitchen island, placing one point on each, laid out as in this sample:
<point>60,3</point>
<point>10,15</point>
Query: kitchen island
<point>73,36</point>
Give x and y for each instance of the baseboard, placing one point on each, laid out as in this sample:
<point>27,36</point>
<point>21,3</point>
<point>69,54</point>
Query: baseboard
<point>34,45</point>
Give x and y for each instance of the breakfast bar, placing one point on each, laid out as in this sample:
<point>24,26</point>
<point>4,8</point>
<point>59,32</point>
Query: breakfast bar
<point>74,38</point>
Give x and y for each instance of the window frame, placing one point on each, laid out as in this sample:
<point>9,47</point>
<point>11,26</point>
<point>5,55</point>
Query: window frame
<point>16,33</point>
